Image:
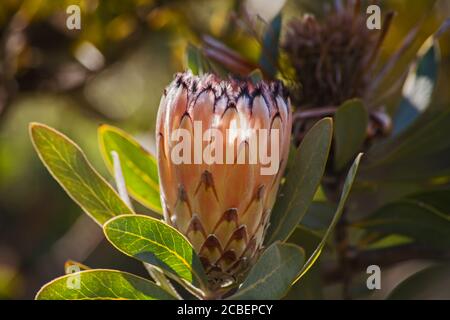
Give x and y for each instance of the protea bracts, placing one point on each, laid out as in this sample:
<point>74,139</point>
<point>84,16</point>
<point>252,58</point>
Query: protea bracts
<point>222,208</point>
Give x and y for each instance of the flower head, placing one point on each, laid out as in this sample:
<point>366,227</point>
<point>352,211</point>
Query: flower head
<point>214,188</point>
<point>331,57</point>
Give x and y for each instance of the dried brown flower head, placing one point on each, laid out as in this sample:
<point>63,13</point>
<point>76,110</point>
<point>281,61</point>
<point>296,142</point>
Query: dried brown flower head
<point>331,57</point>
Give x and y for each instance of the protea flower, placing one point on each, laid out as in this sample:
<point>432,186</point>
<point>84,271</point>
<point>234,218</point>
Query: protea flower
<point>222,208</point>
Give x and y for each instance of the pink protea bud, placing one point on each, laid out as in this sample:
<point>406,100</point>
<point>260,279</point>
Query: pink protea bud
<point>214,189</point>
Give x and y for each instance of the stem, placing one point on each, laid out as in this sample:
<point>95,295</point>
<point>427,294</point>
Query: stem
<point>162,281</point>
<point>120,181</point>
<point>343,250</point>
<point>334,189</point>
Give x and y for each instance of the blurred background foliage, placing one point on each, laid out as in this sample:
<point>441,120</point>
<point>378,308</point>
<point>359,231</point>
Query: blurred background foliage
<point>113,71</point>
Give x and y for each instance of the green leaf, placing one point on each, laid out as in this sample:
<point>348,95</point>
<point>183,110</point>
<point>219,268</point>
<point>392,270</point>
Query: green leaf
<point>421,140</point>
<point>272,275</point>
<point>195,61</point>
<point>420,152</point>
<point>319,215</point>
<point>139,167</point>
<point>270,47</point>
<point>101,284</point>
<point>154,242</point>
<point>68,165</point>
<point>302,181</point>
<point>392,240</point>
<point>438,199</point>
<point>256,76</point>
<point>351,121</point>
<point>306,238</point>
<point>432,283</point>
<point>340,209</point>
<point>419,86</point>
<point>411,217</point>
<point>320,195</point>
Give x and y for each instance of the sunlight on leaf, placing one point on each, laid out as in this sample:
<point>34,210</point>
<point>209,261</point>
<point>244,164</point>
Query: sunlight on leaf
<point>101,284</point>
<point>69,166</point>
<point>154,242</point>
<point>419,86</point>
<point>139,167</point>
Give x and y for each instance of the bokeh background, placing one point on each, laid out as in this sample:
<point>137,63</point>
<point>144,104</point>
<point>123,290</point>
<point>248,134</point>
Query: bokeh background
<point>112,71</point>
